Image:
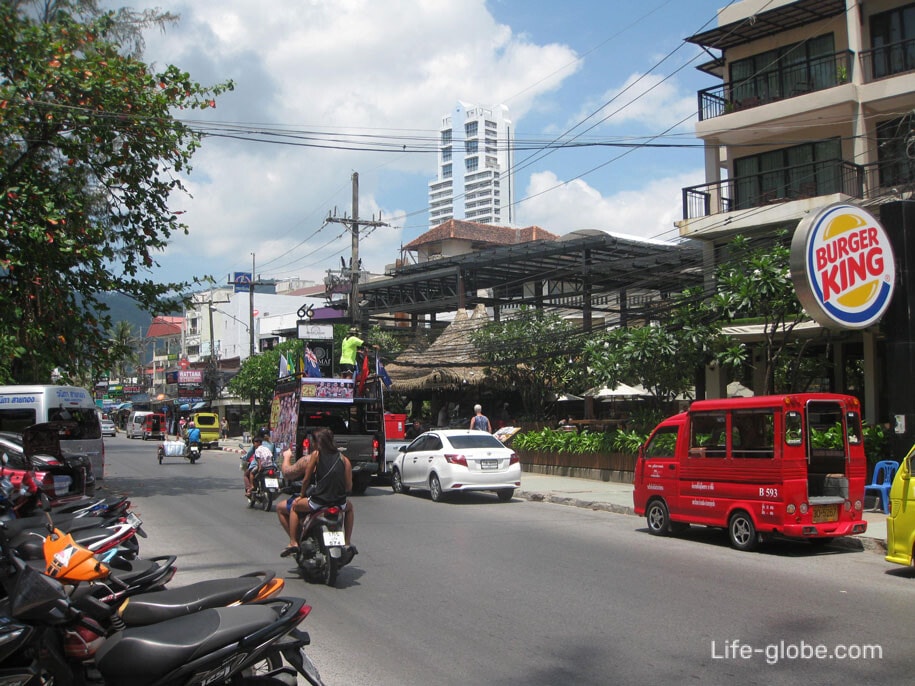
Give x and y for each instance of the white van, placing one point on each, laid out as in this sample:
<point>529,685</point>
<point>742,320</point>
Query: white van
<point>22,406</point>
<point>135,423</point>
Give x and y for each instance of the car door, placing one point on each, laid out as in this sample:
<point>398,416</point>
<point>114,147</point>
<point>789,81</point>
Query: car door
<point>411,465</point>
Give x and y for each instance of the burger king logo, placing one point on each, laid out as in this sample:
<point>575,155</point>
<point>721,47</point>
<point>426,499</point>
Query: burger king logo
<point>842,266</point>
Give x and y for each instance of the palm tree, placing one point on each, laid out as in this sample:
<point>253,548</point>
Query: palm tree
<point>125,349</point>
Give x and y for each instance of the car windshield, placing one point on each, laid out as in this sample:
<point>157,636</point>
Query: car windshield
<point>474,441</point>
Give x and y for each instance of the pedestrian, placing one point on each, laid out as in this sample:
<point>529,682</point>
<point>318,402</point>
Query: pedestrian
<point>480,421</point>
<point>224,426</point>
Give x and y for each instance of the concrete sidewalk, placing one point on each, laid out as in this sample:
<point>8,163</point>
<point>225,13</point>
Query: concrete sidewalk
<point>608,496</point>
<point>616,497</point>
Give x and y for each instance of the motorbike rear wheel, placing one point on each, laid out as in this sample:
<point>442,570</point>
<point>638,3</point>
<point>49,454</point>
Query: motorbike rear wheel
<point>257,673</point>
<point>266,501</point>
<point>326,568</point>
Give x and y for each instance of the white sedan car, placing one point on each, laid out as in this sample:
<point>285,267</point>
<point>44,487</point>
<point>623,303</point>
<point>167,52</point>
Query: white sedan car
<point>449,460</point>
<point>108,428</point>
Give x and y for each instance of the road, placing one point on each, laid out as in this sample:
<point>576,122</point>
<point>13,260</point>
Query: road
<point>475,591</point>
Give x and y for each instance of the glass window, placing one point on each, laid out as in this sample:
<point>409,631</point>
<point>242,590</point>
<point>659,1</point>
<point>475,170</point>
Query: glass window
<point>471,163</point>
<point>446,137</point>
<point>753,433</point>
<point>663,443</point>
<point>893,41</point>
<point>708,434</point>
<point>471,128</point>
<point>853,427</point>
<point>794,428</point>
<point>471,147</point>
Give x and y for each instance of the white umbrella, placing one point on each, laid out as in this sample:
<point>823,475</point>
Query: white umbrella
<point>738,390</point>
<point>621,390</point>
<point>566,398</point>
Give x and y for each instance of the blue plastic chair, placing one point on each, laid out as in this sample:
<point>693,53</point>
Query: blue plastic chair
<point>884,471</point>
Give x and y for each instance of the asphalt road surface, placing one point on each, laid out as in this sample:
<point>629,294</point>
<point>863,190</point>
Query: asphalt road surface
<point>474,591</point>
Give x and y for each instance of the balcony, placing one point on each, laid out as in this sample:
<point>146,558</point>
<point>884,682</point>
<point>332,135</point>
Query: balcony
<point>862,182</point>
<point>888,60</point>
<point>781,82</point>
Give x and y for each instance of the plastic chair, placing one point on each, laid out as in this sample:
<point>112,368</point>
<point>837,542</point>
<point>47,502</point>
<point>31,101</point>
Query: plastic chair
<point>884,471</point>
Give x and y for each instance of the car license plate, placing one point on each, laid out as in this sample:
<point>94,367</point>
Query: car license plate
<point>334,538</point>
<point>270,482</point>
<point>134,520</point>
<point>489,464</point>
<point>825,513</point>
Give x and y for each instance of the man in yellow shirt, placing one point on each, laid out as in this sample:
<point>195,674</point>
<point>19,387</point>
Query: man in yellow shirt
<point>348,349</point>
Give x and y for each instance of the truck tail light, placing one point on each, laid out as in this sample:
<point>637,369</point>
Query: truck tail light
<point>376,445</point>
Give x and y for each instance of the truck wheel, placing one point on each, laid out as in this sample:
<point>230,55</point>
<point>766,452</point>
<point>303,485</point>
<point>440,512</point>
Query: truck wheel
<point>742,532</point>
<point>360,483</point>
<point>658,518</point>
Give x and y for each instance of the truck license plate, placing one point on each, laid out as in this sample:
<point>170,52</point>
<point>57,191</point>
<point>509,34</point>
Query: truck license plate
<point>825,513</point>
<point>334,538</point>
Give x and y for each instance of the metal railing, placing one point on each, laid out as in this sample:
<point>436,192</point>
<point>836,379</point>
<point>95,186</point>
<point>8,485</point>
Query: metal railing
<point>782,81</point>
<point>773,187</point>
<point>888,60</point>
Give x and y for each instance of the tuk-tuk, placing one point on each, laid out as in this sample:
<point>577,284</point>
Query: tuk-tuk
<point>154,427</point>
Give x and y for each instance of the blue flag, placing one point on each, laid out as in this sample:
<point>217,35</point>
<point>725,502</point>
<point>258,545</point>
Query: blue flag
<point>383,375</point>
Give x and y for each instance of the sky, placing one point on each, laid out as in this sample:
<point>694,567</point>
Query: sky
<point>347,75</point>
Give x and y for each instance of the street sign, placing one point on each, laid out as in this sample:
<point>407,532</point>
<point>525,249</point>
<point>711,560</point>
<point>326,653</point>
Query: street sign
<point>242,281</point>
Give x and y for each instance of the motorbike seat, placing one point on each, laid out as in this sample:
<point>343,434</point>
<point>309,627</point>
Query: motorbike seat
<point>164,647</point>
<point>151,608</point>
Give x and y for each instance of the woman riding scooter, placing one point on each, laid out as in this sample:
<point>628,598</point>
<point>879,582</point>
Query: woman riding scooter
<point>331,474</point>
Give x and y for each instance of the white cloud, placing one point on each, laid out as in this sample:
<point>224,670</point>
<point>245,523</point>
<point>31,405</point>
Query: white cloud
<point>647,212</point>
<point>374,67</point>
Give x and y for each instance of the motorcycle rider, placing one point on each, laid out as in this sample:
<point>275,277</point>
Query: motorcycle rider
<point>331,473</point>
<point>193,435</point>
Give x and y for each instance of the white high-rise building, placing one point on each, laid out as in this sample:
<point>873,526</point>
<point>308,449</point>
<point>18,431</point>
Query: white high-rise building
<point>475,167</point>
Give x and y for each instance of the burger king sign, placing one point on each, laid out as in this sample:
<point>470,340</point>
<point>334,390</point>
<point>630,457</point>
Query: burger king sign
<point>842,266</point>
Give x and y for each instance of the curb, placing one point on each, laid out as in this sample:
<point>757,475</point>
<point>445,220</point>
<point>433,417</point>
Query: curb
<point>851,543</point>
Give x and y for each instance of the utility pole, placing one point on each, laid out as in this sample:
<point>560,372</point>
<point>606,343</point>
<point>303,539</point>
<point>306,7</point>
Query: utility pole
<point>251,309</point>
<point>353,225</point>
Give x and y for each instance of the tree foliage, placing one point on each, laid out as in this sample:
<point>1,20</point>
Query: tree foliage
<point>755,285</point>
<point>89,160</point>
<point>663,358</point>
<point>258,376</point>
<point>534,353</point>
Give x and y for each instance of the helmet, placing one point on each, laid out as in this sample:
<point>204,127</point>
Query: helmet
<point>190,425</point>
<point>262,432</point>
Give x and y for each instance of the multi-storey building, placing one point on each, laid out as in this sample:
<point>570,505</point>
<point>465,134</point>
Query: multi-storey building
<point>474,180</point>
<point>815,106</point>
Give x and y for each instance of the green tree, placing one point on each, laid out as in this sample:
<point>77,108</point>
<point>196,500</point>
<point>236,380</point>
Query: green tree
<point>258,376</point>
<point>124,350</point>
<point>755,286</point>
<point>664,359</point>
<point>534,353</point>
<point>90,155</point>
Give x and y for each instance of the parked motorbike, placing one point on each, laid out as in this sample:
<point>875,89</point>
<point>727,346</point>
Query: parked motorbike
<point>266,486</point>
<point>53,638</point>
<point>322,546</point>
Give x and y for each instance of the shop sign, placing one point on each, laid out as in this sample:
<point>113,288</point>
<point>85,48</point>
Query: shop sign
<point>843,267</point>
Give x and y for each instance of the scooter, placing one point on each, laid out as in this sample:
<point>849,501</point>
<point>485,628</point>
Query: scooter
<point>322,546</point>
<point>193,452</point>
<point>266,487</point>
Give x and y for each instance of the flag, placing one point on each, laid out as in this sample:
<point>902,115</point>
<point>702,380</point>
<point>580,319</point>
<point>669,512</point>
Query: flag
<point>383,375</point>
<point>362,371</point>
<point>300,365</point>
<point>284,366</point>
<point>312,368</point>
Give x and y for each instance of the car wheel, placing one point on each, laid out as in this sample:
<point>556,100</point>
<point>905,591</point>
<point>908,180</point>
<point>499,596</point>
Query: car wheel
<point>397,482</point>
<point>435,488</point>
<point>506,494</point>
<point>658,518</point>
<point>742,532</point>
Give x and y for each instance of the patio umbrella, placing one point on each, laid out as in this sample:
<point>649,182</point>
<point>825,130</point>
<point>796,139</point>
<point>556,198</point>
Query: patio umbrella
<point>738,390</point>
<point>621,390</point>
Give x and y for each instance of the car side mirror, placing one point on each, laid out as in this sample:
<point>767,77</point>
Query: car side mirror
<point>402,449</point>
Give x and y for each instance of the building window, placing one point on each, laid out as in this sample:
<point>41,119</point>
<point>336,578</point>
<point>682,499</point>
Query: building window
<point>470,129</point>
<point>446,137</point>
<point>471,163</point>
<point>801,171</point>
<point>471,147</point>
<point>446,155</point>
<point>446,171</point>
<point>786,71</point>
<point>895,166</point>
<point>893,41</point>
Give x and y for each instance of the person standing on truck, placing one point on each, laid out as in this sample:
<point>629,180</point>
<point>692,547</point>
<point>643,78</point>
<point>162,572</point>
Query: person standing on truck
<point>480,421</point>
<point>331,473</point>
<point>348,349</point>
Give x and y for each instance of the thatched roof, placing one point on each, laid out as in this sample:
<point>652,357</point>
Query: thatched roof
<point>449,362</point>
